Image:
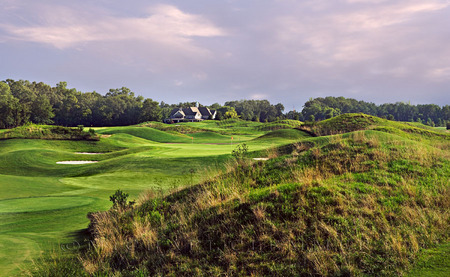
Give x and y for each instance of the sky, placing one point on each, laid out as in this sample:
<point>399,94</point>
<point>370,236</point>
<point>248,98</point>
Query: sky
<point>285,51</point>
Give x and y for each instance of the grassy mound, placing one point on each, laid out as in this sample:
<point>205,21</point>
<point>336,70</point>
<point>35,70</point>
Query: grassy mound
<point>224,127</point>
<point>290,134</point>
<point>280,124</point>
<point>362,203</point>
<point>353,122</point>
<point>341,124</point>
<point>174,128</point>
<point>32,131</point>
<point>146,133</point>
<point>155,135</point>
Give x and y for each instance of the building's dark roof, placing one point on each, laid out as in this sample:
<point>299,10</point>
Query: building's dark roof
<point>191,111</point>
<point>205,111</point>
<point>179,114</point>
<point>174,111</point>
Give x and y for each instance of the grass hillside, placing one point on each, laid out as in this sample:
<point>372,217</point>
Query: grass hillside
<point>280,124</point>
<point>145,133</point>
<point>354,122</point>
<point>363,202</point>
<point>43,205</point>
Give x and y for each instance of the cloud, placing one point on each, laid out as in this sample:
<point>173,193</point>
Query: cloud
<point>354,35</point>
<point>165,24</point>
<point>201,76</point>
<point>258,96</point>
<point>439,74</point>
<point>386,15</point>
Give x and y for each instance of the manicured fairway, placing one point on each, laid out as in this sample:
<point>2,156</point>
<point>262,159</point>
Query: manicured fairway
<point>43,205</point>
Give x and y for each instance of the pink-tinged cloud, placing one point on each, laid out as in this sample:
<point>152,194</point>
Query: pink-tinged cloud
<point>164,24</point>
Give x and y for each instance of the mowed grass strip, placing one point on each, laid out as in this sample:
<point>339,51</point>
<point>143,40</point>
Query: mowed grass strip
<point>434,262</point>
<point>34,204</point>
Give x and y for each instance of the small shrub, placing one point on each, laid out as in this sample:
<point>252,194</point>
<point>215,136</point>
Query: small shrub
<point>119,199</point>
<point>240,151</point>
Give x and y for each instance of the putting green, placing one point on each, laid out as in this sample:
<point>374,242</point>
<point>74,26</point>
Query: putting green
<point>38,204</point>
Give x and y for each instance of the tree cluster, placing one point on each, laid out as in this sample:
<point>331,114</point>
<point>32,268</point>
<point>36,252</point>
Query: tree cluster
<point>256,110</point>
<point>23,101</point>
<point>323,108</point>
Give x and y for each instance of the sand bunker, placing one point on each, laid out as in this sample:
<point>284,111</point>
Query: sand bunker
<point>89,153</point>
<point>77,162</point>
<point>260,159</point>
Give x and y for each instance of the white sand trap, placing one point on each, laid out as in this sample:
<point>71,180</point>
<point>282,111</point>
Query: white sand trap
<point>260,159</point>
<point>77,162</point>
<point>89,153</point>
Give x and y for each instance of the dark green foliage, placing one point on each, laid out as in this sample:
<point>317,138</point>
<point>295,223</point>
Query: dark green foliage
<point>119,200</point>
<point>257,110</point>
<point>23,101</point>
<point>324,108</point>
<point>240,151</point>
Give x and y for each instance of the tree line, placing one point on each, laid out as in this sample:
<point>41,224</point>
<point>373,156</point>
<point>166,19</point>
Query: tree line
<point>22,102</point>
<point>323,108</point>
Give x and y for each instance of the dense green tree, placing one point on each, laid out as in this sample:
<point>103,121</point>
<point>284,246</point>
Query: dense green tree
<point>231,114</point>
<point>8,106</point>
<point>151,111</point>
<point>260,110</point>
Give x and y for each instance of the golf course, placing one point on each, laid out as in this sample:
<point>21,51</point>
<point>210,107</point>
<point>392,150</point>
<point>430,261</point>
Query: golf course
<point>350,195</point>
<point>43,204</point>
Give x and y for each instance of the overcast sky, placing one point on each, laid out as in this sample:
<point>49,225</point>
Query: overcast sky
<point>213,51</point>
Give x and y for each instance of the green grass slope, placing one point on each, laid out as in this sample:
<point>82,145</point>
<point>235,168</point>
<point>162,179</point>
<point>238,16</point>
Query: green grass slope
<point>288,134</point>
<point>43,205</point>
<point>433,262</point>
<point>362,203</point>
<point>353,122</point>
<point>171,136</point>
<point>145,133</point>
<point>280,124</point>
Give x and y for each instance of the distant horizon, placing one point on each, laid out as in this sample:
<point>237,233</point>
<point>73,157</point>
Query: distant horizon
<point>222,103</point>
